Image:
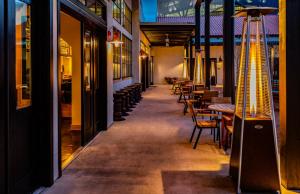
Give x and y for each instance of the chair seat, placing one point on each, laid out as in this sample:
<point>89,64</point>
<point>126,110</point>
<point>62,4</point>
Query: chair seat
<point>207,123</point>
<point>229,128</point>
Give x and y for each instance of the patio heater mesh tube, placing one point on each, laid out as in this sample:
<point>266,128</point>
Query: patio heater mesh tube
<point>254,163</point>
<point>257,91</point>
<point>198,69</point>
<point>185,70</point>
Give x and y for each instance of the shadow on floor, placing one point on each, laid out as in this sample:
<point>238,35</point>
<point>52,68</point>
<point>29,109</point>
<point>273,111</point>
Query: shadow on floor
<point>197,182</point>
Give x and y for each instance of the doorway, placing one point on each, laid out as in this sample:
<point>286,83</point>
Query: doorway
<point>82,81</point>
<point>70,86</point>
<point>145,72</point>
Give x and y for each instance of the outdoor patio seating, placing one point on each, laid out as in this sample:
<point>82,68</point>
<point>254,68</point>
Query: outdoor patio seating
<point>203,121</point>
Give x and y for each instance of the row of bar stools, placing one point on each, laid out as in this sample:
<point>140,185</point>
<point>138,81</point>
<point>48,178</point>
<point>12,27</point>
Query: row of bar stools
<point>118,107</point>
<point>126,99</point>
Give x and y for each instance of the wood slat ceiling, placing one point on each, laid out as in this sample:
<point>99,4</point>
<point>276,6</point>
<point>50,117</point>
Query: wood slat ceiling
<point>178,34</point>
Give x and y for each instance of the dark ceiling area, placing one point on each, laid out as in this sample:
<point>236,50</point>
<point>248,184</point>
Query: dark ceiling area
<point>178,34</point>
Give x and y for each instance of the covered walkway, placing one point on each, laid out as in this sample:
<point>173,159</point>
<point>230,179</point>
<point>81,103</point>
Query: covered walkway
<point>148,153</point>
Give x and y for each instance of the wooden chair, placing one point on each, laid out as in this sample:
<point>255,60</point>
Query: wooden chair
<point>199,87</point>
<point>176,87</point>
<point>207,96</point>
<point>185,93</point>
<point>200,123</point>
<point>228,131</point>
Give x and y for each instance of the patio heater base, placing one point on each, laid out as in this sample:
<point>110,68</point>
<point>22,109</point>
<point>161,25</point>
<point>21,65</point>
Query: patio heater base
<point>259,166</point>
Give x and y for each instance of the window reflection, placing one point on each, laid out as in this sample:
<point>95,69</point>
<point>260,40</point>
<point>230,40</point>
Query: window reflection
<point>87,60</point>
<point>23,54</point>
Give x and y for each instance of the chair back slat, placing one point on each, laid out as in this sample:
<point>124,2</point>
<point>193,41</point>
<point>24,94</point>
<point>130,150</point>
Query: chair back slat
<point>207,96</point>
<point>221,100</point>
<point>191,110</point>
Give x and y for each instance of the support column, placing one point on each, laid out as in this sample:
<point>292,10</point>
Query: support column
<point>44,67</point>
<point>197,26</point>
<point>228,50</point>
<point>289,93</point>
<point>207,43</point>
<point>136,67</point>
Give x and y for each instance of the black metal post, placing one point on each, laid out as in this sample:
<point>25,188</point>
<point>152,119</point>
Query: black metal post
<point>228,50</point>
<point>207,44</point>
<point>197,25</point>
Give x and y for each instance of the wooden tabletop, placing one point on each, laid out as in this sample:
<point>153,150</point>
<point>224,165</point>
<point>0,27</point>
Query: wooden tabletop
<point>200,92</point>
<point>224,108</point>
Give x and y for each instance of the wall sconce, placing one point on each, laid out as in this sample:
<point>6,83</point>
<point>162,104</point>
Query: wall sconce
<point>143,55</point>
<point>254,161</point>
<point>114,38</point>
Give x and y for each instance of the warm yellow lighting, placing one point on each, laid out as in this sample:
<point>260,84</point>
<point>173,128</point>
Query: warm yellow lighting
<point>143,56</point>
<point>253,103</point>
<point>185,73</point>
<point>213,70</point>
<point>198,69</point>
<point>116,43</point>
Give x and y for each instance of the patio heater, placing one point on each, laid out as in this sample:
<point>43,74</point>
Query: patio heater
<point>198,69</point>
<point>254,162</point>
<point>185,69</point>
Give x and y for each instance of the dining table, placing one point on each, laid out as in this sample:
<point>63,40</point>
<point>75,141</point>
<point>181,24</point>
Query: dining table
<point>227,110</point>
<point>222,108</point>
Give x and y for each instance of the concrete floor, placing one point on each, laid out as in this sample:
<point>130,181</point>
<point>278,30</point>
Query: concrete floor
<point>149,153</point>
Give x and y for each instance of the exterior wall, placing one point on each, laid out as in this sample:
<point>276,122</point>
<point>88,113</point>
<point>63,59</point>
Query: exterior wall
<point>114,85</point>
<point>168,62</point>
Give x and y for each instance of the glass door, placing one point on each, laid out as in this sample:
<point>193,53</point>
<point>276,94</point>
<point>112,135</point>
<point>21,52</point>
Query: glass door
<point>87,86</point>
<point>91,84</point>
<point>22,150</point>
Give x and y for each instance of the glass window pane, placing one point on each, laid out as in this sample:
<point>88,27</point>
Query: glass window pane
<point>23,54</point>
<point>91,4</point>
<point>117,10</point>
<point>82,1</point>
<point>99,10</point>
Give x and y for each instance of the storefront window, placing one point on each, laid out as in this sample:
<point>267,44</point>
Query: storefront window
<point>23,54</point>
<point>116,57</point>
<point>95,6</point>
<point>126,57</point>
<point>127,16</point>
<point>100,10</point>
<point>91,4</point>
<point>117,10</point>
